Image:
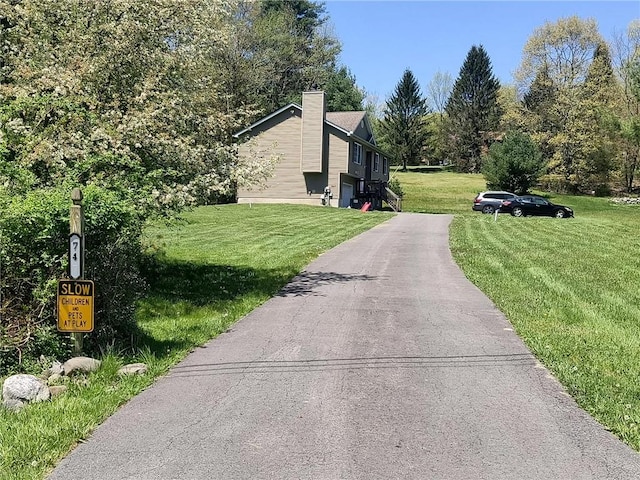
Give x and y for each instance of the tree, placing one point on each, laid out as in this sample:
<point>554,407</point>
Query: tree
<point>125,95</point>
<point>472,110</point>
<point>564,49</point>
<point>291,48</point>
<point>600,97</point>
<point>125,99</point>
<point>308,15</point>
<point>554,67</point>
<point>627,65</point>
<point>438,91</point>
<point>541,117</point>
<point>342,92</point>
<point>514,165</point>
<point>403,127</point>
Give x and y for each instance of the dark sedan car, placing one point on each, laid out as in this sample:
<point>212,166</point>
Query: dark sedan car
<point>534,205</point>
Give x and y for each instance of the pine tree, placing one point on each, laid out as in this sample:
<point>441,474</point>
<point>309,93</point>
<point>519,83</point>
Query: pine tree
<point>599,98</point>
<point>403,128</point>
<point>473,111</point>
<point>540,103</point>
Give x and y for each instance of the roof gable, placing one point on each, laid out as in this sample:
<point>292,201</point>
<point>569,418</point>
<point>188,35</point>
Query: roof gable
<point>348,122</point>
<point>268,117</point>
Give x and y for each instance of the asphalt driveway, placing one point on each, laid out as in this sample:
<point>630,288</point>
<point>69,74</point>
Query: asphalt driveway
<point>380,361</point>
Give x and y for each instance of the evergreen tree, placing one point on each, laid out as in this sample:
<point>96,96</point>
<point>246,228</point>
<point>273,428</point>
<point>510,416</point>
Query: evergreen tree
<point>473,111</point>
<point>600,97</point>
<point>342,92</point>
<point>403,127</point>
<point>541,115</point>
<point>514,164</point>
<point>541,94</point>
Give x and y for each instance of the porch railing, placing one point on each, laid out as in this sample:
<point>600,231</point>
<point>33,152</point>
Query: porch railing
<point>393,200</point>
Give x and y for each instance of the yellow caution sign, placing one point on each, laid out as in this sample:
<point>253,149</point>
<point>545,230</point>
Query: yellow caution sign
<point>75,305</point>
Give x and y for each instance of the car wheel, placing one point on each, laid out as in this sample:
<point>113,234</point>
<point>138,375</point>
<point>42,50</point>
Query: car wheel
<point>559,214</point>
<point>488,209</point>
<point>517,212</point>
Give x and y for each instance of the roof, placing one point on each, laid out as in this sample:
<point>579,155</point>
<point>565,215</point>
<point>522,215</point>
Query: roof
<point>349,121</point>
<point>264,119</point>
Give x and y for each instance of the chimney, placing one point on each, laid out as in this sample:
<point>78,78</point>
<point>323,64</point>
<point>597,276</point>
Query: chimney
<point>313,114</point>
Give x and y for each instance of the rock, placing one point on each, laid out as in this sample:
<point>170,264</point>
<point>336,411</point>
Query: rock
<point>56,368</point>
<point>57,390</point>
<point>21,389</point>
<point>80,364</point>
<point>133,369</point>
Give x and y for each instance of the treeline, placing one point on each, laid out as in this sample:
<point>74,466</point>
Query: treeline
<point>576,100</point>
<point>135,102</point>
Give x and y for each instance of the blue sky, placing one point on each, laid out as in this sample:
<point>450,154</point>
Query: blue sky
<point>380,39</point>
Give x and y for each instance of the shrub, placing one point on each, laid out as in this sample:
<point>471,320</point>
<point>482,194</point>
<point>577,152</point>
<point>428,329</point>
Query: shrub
<point>514,164</point>
<point>395,187</point>
<point>34,232</point>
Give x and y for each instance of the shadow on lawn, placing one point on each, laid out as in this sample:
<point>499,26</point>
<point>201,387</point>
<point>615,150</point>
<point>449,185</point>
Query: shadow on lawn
<point>202,284</point>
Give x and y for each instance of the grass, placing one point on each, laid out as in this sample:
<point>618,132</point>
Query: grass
<point>429,191</point>
<point>569,287</point>
<point>218,264</point>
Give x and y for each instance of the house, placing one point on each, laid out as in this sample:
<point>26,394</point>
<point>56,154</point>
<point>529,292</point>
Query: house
<point>326,158</point>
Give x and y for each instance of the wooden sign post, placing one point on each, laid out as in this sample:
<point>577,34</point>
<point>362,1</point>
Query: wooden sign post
<point>76,227</point>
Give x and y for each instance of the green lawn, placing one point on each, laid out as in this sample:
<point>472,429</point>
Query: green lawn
<point>570,287</point>
<point>427,191</point>
<point>218,264</point>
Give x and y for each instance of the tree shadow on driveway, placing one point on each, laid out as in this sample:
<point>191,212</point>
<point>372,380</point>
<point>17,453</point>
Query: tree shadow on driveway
<point>307,283</point>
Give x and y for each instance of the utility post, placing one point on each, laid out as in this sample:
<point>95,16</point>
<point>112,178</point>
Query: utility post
<point>76,252</point>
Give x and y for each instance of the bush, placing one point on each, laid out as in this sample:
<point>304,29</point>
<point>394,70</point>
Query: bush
<point>395,187</point>
<point>33,248</point>
<point>514,164</point>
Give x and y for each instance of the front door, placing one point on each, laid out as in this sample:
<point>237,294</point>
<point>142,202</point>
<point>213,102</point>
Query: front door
<point>346,195</point>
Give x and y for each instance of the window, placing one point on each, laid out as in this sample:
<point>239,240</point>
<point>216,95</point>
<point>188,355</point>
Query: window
<point>376,162</point>
<point>385,165</point>
<point>357,154</point>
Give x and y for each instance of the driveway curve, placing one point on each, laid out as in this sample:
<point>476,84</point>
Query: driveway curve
<point>379,361</point>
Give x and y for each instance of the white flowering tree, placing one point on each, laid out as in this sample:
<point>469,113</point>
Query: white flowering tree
<point>128,100</point>
<point>124,94</point>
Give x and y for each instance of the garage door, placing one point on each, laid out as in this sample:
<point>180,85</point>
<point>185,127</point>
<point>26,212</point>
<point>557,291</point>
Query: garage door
<point>346,194</point>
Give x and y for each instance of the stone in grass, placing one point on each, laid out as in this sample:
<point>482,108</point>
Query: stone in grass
<point>80,364</point>
<point>53,374</point>
<point>133,369</point>
<point>18,390</point>
<point>56,368</point>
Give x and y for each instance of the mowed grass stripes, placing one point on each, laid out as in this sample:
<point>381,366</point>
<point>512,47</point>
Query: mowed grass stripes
<point>571,290</point>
